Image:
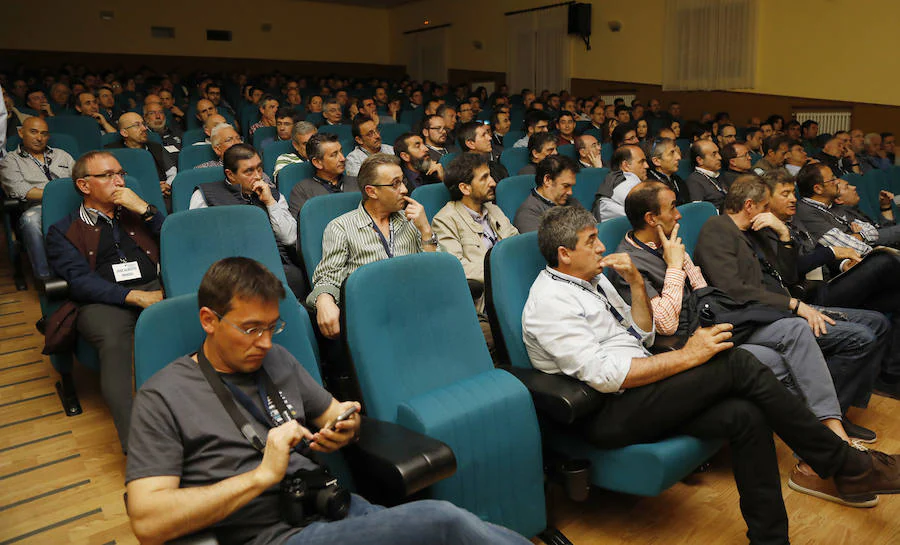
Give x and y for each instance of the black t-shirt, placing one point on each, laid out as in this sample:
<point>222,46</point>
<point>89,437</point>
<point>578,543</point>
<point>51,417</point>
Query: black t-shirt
<point>179,428</point>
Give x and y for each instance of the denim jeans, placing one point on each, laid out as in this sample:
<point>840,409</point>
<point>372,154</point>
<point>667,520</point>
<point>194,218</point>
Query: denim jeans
<point>33,239</point>
<point>427,521</point>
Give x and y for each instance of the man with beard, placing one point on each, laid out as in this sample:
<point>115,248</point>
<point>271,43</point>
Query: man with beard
<point>415,162</point>
<point>434,134</point>
<point>554,180</point>
<point>155,119</point>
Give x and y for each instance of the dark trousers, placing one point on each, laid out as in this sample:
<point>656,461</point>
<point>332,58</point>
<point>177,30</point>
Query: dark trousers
<point>871,285</point>
<point>732,397</point>
<point>110,329</point>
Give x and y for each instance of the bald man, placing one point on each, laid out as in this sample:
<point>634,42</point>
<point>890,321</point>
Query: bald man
<point>134,131</point>
<point>24,173</point>
<point>211,121</point>
<point>205,108</point>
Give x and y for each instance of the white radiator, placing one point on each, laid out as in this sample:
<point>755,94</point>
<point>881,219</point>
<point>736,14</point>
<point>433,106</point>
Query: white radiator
<point>829,122</point>
<point>609,99</point>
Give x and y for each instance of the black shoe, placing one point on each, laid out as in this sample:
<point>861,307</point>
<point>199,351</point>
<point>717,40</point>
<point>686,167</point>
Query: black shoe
<point>887,389</point>
<point>861,434</point>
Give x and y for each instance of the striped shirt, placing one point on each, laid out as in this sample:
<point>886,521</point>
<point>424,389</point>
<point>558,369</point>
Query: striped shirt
<point>285,159</point>
<point>667,305</point>
<point>350,241</point>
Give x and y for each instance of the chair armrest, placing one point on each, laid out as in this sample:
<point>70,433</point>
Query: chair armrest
<point>667,343</point>
<point>392,463</point>
<point>562,398</point>
<point>476,288</point>
<point>11,206</point>
<point>53,288</point>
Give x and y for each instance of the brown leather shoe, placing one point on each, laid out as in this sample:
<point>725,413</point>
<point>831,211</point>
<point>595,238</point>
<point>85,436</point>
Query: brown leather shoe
<point>824,489</point>
<point>882,477</point>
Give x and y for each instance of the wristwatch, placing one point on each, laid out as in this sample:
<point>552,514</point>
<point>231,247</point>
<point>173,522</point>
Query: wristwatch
<point>149,213</point>
<point>431,241</point>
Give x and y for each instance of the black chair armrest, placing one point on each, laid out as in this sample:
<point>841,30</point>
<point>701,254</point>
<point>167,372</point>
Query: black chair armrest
<point>560,397</point>
<point>390,463</point>
<point>54,288</point>
<point>476,288</point>
<point>667,343</point>
<point>11,206</point>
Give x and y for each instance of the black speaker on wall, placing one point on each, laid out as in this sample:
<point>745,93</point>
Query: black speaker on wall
<point>580,19</point>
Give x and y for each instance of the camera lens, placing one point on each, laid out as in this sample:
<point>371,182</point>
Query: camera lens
<point>333,502</point>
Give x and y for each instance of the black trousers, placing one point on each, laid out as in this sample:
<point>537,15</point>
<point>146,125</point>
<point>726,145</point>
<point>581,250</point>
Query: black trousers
<point>736,398</point>
<point>871,285</point>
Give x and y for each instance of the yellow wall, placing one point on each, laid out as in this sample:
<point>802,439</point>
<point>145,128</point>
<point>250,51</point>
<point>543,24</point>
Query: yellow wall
<point>300,30</point>
<point>831,49</point>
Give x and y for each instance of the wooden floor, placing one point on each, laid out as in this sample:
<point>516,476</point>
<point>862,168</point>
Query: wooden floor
<point>61,478</point>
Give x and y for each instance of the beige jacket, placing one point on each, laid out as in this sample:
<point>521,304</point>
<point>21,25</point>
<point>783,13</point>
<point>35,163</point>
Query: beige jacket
<point>461,236</point>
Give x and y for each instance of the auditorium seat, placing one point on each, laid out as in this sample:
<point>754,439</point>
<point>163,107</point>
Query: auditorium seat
<point>192,156</point>
<point>314,218</point>
<point>641,469</point>
<point>185,182</point>
<point>343,131</point>
<point>693,216</point>
<point>272,152</point>
<point>63,141</point>
<point>391,131</point>
<point>514,159</point>
<point>427,368</point>
<point>611,232</point>
<point>291,175</point>
<point>83,129</point>
<point>261,134</point>
<point>432,197</point>
<point>587,182</point>
<point>512,192</point>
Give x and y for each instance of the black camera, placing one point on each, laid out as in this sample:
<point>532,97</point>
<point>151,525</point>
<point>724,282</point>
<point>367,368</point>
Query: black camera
<point>308,496</point>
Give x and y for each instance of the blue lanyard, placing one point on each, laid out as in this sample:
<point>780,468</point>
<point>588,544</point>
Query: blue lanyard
<point>640,243</point>
<point>274,414</point>
<point>388,245</point>
<point>600,294</point>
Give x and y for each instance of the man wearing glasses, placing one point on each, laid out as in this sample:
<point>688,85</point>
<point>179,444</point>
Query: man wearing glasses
<point>434,133</point>
<point>387,223</point>
<point>245,183</point>
<point>134,136</point>
<point>108,252</point>
<point>737,162</point>
<point>368,141</point>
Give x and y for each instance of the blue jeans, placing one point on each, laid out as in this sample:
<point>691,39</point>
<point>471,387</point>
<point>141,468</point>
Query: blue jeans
<point>33,239</point>
<point>854,350</point>
<point>427,521</point>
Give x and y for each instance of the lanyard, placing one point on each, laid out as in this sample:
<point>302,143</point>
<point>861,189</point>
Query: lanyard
<point>114,228</point>
<point>45,166</point>
<point>767,267</point>
<point>600,294</point>
<point>387,245</point>
<point>640,244</point>
<point>713,182</point>
<point>221,389</point>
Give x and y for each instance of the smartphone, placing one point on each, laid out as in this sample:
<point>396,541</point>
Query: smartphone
<point>340,418</point>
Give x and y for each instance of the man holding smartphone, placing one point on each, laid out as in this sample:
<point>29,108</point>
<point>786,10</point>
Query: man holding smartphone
<point>186,473</point>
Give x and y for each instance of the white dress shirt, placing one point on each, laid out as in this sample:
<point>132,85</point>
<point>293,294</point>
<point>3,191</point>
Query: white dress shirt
<point>568,327</point>
<point>615,207</point>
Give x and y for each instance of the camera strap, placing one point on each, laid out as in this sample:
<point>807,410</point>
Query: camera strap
<point>222,389</point>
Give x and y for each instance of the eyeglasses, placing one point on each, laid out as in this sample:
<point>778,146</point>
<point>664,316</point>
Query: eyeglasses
<point>230,139</point>
<point>832,180</point>
<point>395,184</point>
<point>106,176</point>
<point>257,332</point>
<point>441,129</point>
<point>372,134</point>
<point>140,124</point>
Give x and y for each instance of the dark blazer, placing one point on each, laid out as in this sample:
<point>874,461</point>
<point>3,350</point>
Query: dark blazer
<point>729,262</point>
<point>701,189</point>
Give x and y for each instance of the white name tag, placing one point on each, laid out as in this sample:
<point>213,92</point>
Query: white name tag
<point>126,271</point>
<point>171,149</point>
<point>815,274</point>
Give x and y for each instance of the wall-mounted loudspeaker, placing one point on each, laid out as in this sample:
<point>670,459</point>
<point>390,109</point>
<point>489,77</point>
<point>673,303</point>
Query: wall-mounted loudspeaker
<point>580,19</point>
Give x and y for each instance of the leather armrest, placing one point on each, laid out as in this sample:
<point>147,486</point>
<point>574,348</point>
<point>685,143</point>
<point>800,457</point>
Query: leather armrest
<point>667,343</point>
<point>560,397</point>
<point>11,205</point>
<point>391,462</point>
<point>54,288</point>
<point>476,288</point>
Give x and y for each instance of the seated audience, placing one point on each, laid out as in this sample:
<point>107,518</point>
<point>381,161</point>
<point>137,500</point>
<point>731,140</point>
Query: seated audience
<point>540,145</point>
<point>168,103</point>
<point>108,253</point>
<point>285,118</point>
<point>737,162</point>
<point>663,166</point>
<point>795,158</point>
<point>727,134</point>
<point>155,119</point>
<point>837,155</point>
<point>536,121</point>
<point>775,149</point>
<point>324,152</point>
<point>470,223</point>
<point>565,124</point>
<point>500,125</point>
<point>86,104</point>
<point>368,141</point>
<point>415,162</point>
<point>300,135</point>
<point>588,149</point>
<point>748,252</point>
<point>872,156</point>
<point>387,223</point>
<point>809,133</point>
<point>170,448</point>
<point>554,180</point>
<point>133,131</point>
<point>268,107</point>
<point>244,184</point>
<point>23,173</point>
<point>703,184</point>
<point>435,136</point>
<point>575,323</point>
<point>36,104</point>
<point>629,168</point>
<point>332,114</point>
<point>205,109</point>
<point>107,105</point>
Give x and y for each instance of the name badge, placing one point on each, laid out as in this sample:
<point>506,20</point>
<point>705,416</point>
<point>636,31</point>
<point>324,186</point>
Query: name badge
<point>815,274</point>
<point>171,149</point>
<point>126,271</point>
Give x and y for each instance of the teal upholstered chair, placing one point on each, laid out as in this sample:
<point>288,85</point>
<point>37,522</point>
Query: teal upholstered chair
<point>514,159</point>
<point>587,182</point>
<point>261,134</point>
<point>293,174</point>
<point>314,218</point>
<point>412,371</point>
<point>693,216</point>
<point>83,129</point>
<point>512,192</point>
<point>391,131</point>
<point>642,469</point>
<point>185,182</point>
<point>432,197</point>
<point>192,156</point>
<point>611,233</point>
<point>271,153</point>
